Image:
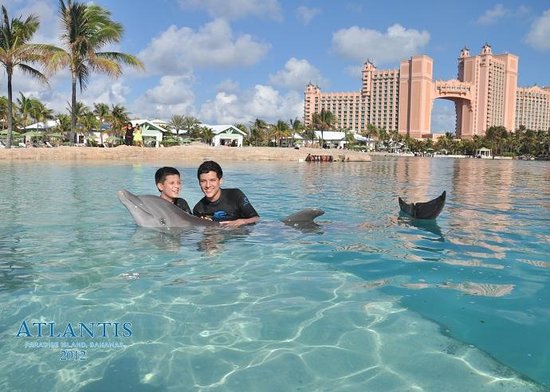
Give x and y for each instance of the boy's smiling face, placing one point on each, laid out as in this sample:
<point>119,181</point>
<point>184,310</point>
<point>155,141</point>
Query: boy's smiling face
<point>170,188</point>
<point>210,185</point>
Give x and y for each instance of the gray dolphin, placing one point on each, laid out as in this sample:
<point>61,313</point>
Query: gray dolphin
<point>154,212</point>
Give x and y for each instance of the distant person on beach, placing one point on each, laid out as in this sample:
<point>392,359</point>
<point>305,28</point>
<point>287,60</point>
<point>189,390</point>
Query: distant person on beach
<point>138,137</point>
<point>168,181</point>
<point>230,207</point>
<point>129,135</point>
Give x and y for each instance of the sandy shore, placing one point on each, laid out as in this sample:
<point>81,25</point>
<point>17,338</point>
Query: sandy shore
<point>192,152</point>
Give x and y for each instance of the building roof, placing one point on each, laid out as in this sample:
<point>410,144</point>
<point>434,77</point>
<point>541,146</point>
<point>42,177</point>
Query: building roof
<point>217,129</point>
<point>150,125</point>
<point>330,135</point>
<point>42,125</point>
<point>338,135</point>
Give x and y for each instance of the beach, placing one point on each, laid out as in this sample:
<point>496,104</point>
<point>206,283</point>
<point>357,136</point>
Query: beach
<point>192,152</point>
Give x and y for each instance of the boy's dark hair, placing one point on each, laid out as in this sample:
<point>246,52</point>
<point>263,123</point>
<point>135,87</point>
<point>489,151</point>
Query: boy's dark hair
<point>208,166</point>
<point>163,172</point>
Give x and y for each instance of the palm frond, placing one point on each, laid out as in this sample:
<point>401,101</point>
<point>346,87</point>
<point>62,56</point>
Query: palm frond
<point>33,72</point>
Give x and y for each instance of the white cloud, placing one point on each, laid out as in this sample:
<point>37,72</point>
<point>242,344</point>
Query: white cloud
<point>443,117</point>
<point>355,71</point>
<point>214,45</point>
<point>47,15</point>
<point>493,15</point>
<point>54,95</point>
<point>539,34</point>
<point>396,44</point>
<point>261,102</point>
<point>173,95</point>
<point>306,14</point>
<point>296,75</point>
<point>105,90</point>
<point>228,85</point>
<point>236,9</point>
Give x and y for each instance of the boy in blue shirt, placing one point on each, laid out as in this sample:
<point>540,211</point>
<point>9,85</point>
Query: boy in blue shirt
<point>230,207</point>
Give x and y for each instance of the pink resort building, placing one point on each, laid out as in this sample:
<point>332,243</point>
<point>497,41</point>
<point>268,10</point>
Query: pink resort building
<point>485,94</point>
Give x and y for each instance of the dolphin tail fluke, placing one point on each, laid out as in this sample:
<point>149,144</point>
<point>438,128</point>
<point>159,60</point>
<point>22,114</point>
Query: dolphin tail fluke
<point>424,210</point>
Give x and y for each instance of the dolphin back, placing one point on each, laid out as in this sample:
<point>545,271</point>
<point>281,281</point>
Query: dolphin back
<point>306,215</point>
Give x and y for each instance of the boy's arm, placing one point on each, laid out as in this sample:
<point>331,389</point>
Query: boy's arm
<point>248,214</point>
<point>240,222</point>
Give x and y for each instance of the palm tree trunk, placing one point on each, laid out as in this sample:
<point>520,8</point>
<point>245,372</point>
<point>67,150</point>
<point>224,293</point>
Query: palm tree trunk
<point>101,131</point>
<point>10,110</point>
<point>73,111</point>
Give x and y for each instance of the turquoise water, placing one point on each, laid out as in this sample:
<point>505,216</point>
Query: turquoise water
<point>368,301</point>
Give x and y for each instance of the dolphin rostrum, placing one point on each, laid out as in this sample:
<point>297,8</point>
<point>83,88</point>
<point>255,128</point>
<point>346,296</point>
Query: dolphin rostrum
<point>155,212</point>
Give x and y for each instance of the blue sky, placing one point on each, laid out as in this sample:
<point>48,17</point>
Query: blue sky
<point>232,61</point>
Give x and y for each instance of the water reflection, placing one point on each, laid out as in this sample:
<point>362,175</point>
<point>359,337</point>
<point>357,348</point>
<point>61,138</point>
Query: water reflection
<point>133,380</point>
<point>419,178</point>
<point>430,226</point>
<point>15,271</point>
<point>208,240</point>
<point>481,270</point>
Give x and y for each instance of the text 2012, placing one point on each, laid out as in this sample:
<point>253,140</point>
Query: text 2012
<point>72,355</point>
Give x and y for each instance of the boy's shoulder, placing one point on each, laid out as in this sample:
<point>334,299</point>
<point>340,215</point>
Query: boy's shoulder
<point>231,191</point>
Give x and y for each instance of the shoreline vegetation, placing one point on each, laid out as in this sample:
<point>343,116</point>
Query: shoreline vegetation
<point>193,152</point>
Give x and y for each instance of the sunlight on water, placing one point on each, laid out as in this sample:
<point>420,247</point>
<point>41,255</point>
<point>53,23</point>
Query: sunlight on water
<point>369,300</point>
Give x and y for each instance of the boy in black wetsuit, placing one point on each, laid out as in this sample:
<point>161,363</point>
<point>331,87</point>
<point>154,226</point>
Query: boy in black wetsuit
<point>169,185</point>
<point>230,207</point>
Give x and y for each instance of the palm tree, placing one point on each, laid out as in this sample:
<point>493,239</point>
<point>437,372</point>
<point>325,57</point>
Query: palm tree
<point>371,132</point>
<point>79,110</point>
<point>24,108</point>
<point>89,123</point>
<point>191,124</point>
<point>17,52</point>
<point>309,134</point>
<point>243,128</point>
<point>257,131</point>
<point>177,122</point>
<point>101,111</point>
<point>280,131</point>
<point>445,142</point>
<point>297,128</point>
<point>323,121</point>
<point>3,111</point>
<point>543,139</point>
<point>119,117</point>
<point>350,139</point>
<point>207,134</point>
<point>296,125</point>
<point>64,121</point>
<point>496,137</point>
<point>40,112</point>
<point>87,28</point>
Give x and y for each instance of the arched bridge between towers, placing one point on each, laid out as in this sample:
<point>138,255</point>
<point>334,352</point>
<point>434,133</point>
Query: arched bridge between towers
<point>453,90</point>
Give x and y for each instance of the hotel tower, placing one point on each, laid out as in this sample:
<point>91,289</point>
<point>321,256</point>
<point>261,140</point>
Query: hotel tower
<point>485,94</point>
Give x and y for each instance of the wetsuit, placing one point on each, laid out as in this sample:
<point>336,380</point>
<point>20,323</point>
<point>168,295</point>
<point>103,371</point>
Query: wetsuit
<point>181,203</point>
<point>232,205</point>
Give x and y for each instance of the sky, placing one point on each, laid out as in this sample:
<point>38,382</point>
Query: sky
<point>233,61</point>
